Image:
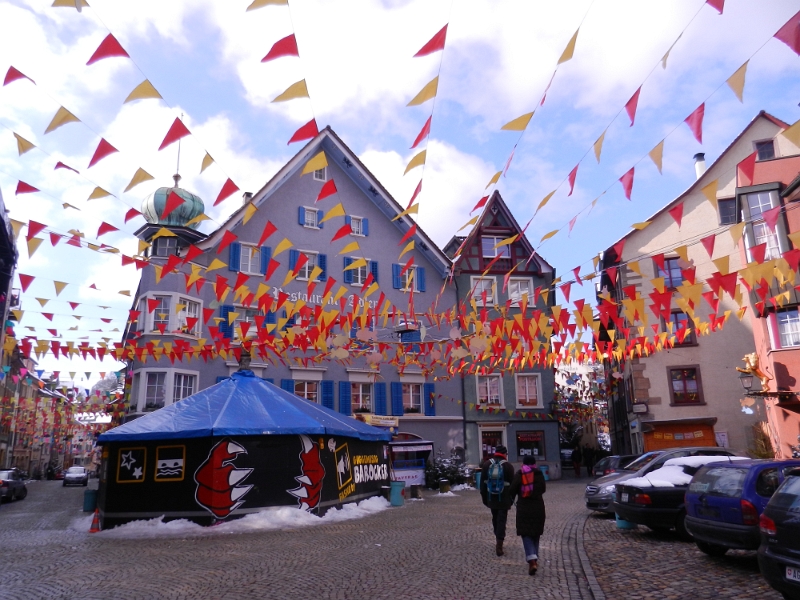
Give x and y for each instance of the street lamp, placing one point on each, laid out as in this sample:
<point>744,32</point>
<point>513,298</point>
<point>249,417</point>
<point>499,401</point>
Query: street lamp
<point>746,379</point>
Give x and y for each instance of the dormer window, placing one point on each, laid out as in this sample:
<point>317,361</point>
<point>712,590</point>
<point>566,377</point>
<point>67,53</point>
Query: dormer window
<point>488,243</point>
<point>321,174</point>
<point>165,246</point>
<point>765,150</point>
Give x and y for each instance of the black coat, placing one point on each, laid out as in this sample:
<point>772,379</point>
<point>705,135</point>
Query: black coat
<point>530,510</point>
<point>506,500</point>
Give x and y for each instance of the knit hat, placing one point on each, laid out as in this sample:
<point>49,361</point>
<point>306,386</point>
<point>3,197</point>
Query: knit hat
<point>501,450</point>
<point>529,460</point>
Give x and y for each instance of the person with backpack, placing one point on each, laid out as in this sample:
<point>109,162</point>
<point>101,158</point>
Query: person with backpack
<point>577,459</point>
<point>527,488</point>
<point>496,477</point>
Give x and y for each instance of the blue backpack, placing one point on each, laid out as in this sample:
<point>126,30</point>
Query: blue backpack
<point>495,479</point>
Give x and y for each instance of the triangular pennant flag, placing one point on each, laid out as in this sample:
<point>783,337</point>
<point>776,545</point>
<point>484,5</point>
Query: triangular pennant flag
<point>632,104</point>
<point>666,55</point>
<point>228,188</point>
<point>269,229</point>
<point>296,90</point>
<point>61,165</point>
<point>25,188</point>
<point>598,146</point>
<point>424,132</point>
<point>708,244</point>
<point>547,236</point>
<point>736,81</point>
<point>657,154</point>
<point>34,228</point>
<point>544,201</point>
<point>105,228</point>
<point>328,189</point>
<point>283,47</point>
<point>495,178</point>
<point>173,202</point>
<point>695,122</point>
<point>710,192</point>
<point>139,177</point>
<point>627,182</point>
<point>249,211</point>
<point>718,4</point>
<point>349,248</point>
<point>62,117</point>
<point>435,44</point>
<point>97,193</point>
<point>317,162</point>
<point>14,74</point>
<point>343,231</point>
<point>417,161</point>
<point>335,211</point>
<point>60,285</point>
<point>103,150</point>
<point>640,226</point>
<point>132,214</point>
<point>207,162</point>
<point>23,145</point>
<point>789,34</point>
<point>25,281</point>
<point>262,3</point>
<point>771,217</point>
<point>306,132</point>
<point>176,131</point>
<point>571,179</point>
<point>736,231</point>
<point>108,47</point>
<point>285,244</point>
<point>426,93</point>
<point>745,171</point>
<point>570,49</point>
<point>142,91</point>
<point>518,124</point>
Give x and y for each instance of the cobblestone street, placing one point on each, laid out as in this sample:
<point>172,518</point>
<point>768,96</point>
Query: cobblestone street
<point>437,548</point>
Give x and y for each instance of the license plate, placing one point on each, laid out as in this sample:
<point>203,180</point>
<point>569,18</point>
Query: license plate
<point>623,497</point>
<point>792,574</point>
<point>705,511</point>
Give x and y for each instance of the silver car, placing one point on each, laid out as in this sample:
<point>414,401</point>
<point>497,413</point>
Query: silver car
<point>600,493</point>
<point>76,476</point>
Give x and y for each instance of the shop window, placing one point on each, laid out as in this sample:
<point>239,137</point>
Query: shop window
<point>685,385</point>
<point>530,443</point>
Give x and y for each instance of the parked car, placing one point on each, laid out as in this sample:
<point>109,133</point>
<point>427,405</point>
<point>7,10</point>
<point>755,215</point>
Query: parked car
<point>725,500</point>
<point>657,500</point>
<point>59,474</point>
<point>12,485</point>
<point>76,476</point>
<point>609,464</point>
<point>779,552</point>
<point>600,493</point>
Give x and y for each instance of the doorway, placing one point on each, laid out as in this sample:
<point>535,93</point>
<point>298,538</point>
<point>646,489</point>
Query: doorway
<point>490,439</point>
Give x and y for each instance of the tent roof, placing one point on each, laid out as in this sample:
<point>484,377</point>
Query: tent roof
<point>242,405</point>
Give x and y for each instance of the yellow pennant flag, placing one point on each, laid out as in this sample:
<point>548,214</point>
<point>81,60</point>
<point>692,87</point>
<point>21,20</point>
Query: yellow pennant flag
<point>296,90</point>
<point>411,210</point>
<point>163,232</point>
<point>570,49</point>
<point>641,225</point>
<point>657,154</point>
<point>722,264</point>
<point>544,201</point>
<point>60,285</point>
<point>666,56</point>
<point>598,146</point>
<point>33,245</point>
<point>142,91</point>
<point>736,232</point>
<point>793,134</point>
<point>547,236</point>
<point>335,211</point>
<point>198,219</point>
<point>262,3</point>
<point>736,81</point>
<point>518,124</point>
<point>472,221</point>
<point>207,162</point>
<point>139,177</point>
<point>290,275</point>
<point>249,211</point>
<point>506,241</point>
<point>426,93</point>
<point>98,192</point>
<point>417,161</point>
<point>63,116</point>
<point>634,266</point>
<point>683,252</point>
<point>68,4</point>
<point>351,247</point>
<point>284,245</point>
<point>317,162</point>
<point>409,247</point>
<point>710,192</point>
<point>495,178</point>
<point>18,316</point>
<point>23,145</point>
<point>216,264</point>
<point>43,301</point>
<point>143,246</point>
<point>795,239</point>
<point>16,227</point>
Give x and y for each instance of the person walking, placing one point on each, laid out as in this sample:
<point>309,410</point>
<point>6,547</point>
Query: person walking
<point>527,488</point>
<point>588,459</point>
<point>577,460</point>
<point>496,477</point>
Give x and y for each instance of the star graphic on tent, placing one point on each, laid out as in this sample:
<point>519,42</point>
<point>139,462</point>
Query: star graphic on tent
<point>128,460</point>
<point>137,472</point>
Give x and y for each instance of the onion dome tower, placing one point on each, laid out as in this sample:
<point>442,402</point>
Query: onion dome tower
<point>153,207</point>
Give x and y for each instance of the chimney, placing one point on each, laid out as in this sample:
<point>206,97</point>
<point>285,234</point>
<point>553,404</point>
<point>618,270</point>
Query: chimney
<point>699,164</point>
<point>247,196</point>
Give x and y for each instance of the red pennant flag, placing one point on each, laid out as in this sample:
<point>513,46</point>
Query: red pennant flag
<point>25,188</point>
<point>132,214</point>
<point>105,228</point>
<point>571,179</point>
<point>176,131</point>
<point>565,290</point>
<point>343,231</point>
<point>417,190</point>
<point>695,122</point>
<point>745,171</point>
<point>108,47</point>
<point>718,4</point>
<point>227,239</point>
<point>612,275</point>
<point>13,74</point>
<point>435,44</point>
<point>192,253</point>
<point>152,304</point>
<point>577,272</point>
<point>172,203</point>
<point>411,231</point>
<point>627,183</point>
<point>285,47</point>
<point>241,279</point>
<point>207,312</point>
<point>572,224</point>
<point>273,264</point>
<point>510,158</point>
<point>771,217</point>
<point>327,190</point>
<point>676,212</point>
<point>55,238</point>
<point>618,248</point>
<point>481,203</point>
<point>708,244</point>
<point>48,316</point>
<point>306,132</point>
<point>227,189</point>
<point>789,34</point>
<point>61,165</point>
<point>25,281</point>
<point>302,259</point>
<point>424,132</point>
<point>103,150</point>
<point>269,229</point>
<point>759,252</point>
<point>632,104</point>
<point>34,228</point>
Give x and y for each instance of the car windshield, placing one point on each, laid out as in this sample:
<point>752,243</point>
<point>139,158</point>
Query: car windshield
<point>643,461</point>
<point>75,470</point>
<point>719,481</point>
<point>788,495</point>
<point>5,474</point>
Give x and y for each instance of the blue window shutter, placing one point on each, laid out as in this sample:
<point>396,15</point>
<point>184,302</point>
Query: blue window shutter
<point>327,394</point>
<point>320,215</point>
<point>373,268</point>
<point>397,399</point>
<point>344,398</point>
<point>234,256</point>
<point>271,320</point>
<point>293,256</point>
<point>348,220</point>
<point>428,391</point>
<point>222,378</point>
<point>397,282</point>
<point>301,215</point>
<point>266,254</point>
<point>224,328</point>
<point>420,277</point>
<point>288,385</point>
<point>380,398</point>
<point>348,275</point>
<point>269,380</point>
<point>365,226</point>
<point>322,263</point>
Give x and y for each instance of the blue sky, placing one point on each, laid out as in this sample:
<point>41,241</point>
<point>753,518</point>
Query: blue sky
<point>204,58</point>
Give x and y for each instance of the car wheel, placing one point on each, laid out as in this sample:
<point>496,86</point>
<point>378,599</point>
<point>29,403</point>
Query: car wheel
<point>711,549</point>
<point>85,483</point>
<point>680,527</point>
<point>64,484</point>
<point>22,494</point>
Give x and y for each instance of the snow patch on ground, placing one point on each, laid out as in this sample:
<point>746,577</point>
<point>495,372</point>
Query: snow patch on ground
<point>461,487</point>
<point>441,495</point>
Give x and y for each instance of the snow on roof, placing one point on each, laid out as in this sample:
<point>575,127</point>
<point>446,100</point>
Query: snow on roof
<point>672,473</point>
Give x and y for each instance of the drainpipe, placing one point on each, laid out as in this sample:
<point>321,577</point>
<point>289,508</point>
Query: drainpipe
<point>463,388</point>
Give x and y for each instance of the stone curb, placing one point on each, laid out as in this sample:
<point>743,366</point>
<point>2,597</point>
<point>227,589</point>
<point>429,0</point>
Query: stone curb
<point>591,580</point>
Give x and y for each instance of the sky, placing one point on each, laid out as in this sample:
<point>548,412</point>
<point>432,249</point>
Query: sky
<point>204,57</point>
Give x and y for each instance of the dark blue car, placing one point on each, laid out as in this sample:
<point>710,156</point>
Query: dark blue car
<point>725,501</point>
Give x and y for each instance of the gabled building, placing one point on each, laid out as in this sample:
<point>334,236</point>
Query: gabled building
<point>248,296</point>
<point>502,407</point>
<point>681,388</point>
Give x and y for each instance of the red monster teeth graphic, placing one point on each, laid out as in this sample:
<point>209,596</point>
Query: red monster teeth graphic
<point>310,490</point>
<point>217,480</point>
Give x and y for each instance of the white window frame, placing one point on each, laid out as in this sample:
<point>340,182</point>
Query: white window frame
<point>358,280</point>
<point>788,332</point>
<point>305,383</point>
<point>360,221</point>
<point>538,388</point>
<point>321,174</point>
<point>475,283</point>
<point>411,407</point>
<point>171,248</point>
<point>360,385</point>
<point>517,298</point>
<point>243,317</point>
<point>500,401</point>
<point>305,272</point>
<point>185,313</point>
<point>139,395</point>
<point>176,387</point>
<point>148,385</point>
<point>253,256</point>
<point>314,222</point>
<point>155,319</point>
<point>779,235</point>
<point>147,320</point>
<point>405,277</point>
<point>504,251</point>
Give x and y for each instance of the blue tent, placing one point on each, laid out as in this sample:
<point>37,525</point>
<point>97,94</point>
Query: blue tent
<point>242,405</point>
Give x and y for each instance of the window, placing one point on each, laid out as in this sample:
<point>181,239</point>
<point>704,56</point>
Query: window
<point>246,315</point>
<point>357,225</point>
<point>190,310</point>
<point>306,269</point>
<point>765,149</point>
<point>412,397</point>
<point>307,389</point>
<point>789,328</point>
<point>250,260</point>
<point>767,482</point>
<point>727,211</point>
<point>410,280</point>
<point>361,397</point>
<point>530,443</point>
<point>311,218</point>
<point>489,387</point>
<point>183,386</point>
<point>685,385</point>
<point>481,285</point>
<point>321,174</point>
<point>527,391</point>
<point>359,273</point>
<point>680,320</point>
<point>757,204</point>
<point>671,273</point>
<point>161,312</point>
<point>488,247</point>
<point>518,287</point>
<point>156,391</point>
<point>164,246</point>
